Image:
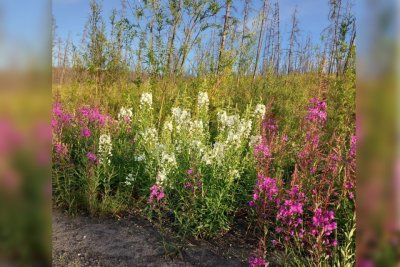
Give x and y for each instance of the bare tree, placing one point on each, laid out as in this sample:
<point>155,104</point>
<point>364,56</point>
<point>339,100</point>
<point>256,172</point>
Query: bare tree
<point>277,35</point>
<point>175,8</point>
<point>65,59</point>
<point>292,39</point>
<point>96,47</point>
<point>334,16</point>
<point>305,56</point>
<point>224,32</point>
<point>244,29</point>
<point>260,40</point>
<point>350,47</point>
<point>198,13</point>
<point>267,54</point>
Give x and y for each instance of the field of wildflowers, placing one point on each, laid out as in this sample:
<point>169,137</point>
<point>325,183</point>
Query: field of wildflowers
<point>192,166</point>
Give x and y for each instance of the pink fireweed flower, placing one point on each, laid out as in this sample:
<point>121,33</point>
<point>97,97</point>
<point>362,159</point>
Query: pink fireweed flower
<point>317,111</point>
<point>57,109</point>
<point>313,138</point>
<point>349,185</point>
<point>255,196</point>
<point>188,185</point>
<point>313,169</point>
<point>61,150</point>
<point>194,180</point>
<point>262,150</point>
<point>268,185</point>
<point>85,132</point>
<point>351,195</point>
<point>334,160</point>
<point>353,146</point>
<point>257,262</point>
<point>308,154</point>
<point>323,223</point>
<point>54,123</point>
<point>126,119</point>
<point>160,196</point>
<point>290,212</point>
<point>92,157</point>
<point>59,117</point>
<point>270,125</point>
<point>156,192</point>
<point>265,188</point>
<point>93,115</point>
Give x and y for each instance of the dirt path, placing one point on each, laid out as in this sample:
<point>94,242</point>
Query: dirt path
<point>86,241</point>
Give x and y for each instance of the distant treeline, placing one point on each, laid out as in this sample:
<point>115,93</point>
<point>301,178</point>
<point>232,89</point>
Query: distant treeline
<point>164,38</point>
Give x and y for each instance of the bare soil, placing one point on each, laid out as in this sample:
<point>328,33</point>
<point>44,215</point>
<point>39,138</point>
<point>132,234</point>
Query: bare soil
<point>82,240</point>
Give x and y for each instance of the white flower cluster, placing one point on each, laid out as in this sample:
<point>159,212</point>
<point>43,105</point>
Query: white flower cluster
<point>207,158</point>
<point>181,117</point>
<point>217,154</point>
<point>160,148</point>
<point>105,148</point>
<point>254,140</point>
<point>185,137</point>
<point>196,127</point>
<point>219,150</point>
<point>168,161</point>
<point>202,100</point>
<point>237,129</point>
<point>198,147</point>
<point>149,135</point>
<point>161,178</point>
<point>178,146</point>
<point>140,157</point>
<point>226,121</point>
<point>259,111</point>
<point>240,133</point>
<point>129,180</point>
<point>125,114</point>
<point>168,126</point>
<point>146,99</point>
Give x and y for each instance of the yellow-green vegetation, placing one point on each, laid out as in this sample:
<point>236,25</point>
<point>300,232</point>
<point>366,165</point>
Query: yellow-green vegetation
<point>193,121</point>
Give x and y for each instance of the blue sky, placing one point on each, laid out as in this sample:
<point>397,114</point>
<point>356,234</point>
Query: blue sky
<point>24,32</point>
<point>25,25</point>
<point>71,15</point>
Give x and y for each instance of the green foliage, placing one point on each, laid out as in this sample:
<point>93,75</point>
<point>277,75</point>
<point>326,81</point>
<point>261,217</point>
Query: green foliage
<point>181,126</point>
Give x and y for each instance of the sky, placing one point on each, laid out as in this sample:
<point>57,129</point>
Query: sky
<point>71,15</point>
<point>24,32</point>
<point>25,24</point>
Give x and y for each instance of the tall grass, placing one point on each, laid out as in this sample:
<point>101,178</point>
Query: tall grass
<point>192,152</point>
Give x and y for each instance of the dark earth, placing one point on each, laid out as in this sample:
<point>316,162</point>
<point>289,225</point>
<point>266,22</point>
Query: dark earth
<point>82,240</point>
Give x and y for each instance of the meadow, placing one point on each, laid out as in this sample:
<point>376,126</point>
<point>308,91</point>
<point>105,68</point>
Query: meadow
<point>211,116</point>
<point>191,157</point>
